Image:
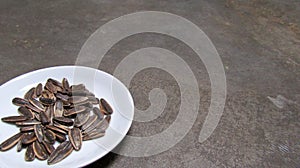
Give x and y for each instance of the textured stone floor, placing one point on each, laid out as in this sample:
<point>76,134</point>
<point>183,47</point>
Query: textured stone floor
<point>258,42</point>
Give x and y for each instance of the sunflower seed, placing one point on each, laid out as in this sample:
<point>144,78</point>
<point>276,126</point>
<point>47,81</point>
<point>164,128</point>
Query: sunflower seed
<point>97,112</point>
<point>27,123</point>
<point>58,109</point>
<point>33,108</point>
<point>64,121</point>
<point>38,90</point>
<point>56,129</point>
<point>55,82</point>
<point>49,136</point>
<point>28,138</point>
<point>26,112</point>
<point>13,119</point>
<point>99,126</point>
<point>19,101</point>
<point>106,107</point>
<point>46,101</point>
<point>50,87</point>
<point>75,137</point>
<point>66,85</point>
<point>61,152</point>
<point>37,104</point>
<point>19,146</point>
<point>39,133</point>
<point>81,119</point>
<point>64,98</point>
<point>29,155</point>
<point>26,128</point>
<point>44,118</point>
<point>10,142</point>
<point>30,94</point>
<point>62,127</point>
<point>90,121</point>
<point>75,110</point>
<point>49,147</point>
<point>39,151</point>
<point>60,137</point>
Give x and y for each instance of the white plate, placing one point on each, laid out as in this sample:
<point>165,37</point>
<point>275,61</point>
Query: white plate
<point>100,83</point>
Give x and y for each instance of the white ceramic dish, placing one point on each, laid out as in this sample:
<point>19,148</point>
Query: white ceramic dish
<point>100,83</point>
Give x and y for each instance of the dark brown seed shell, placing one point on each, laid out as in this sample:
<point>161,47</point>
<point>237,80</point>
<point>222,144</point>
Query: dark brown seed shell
<point>50,113</point>
<point>61,152</point>
<point>56,129</point>
<point>106,107</point>
<point>97,112</point>
<point>29,155</point>
<point>66,85</point>
<point>19,101</point>
<point>26,128</point>
<point>103,125</point>
<point>19,146</point>
<point>81,119</point>
<point>39,132</point>
<point>59,148</point>
<point>49,147</point>
<point>26,112</point>
<point>62,127</point>
<point>37,116</point>
<point>30,94</point>
<point>64,98</point>
<point>46,101</point>
<point>39,151</point>
<point>49,136</point>
<point>58,109</point>
<point>94,125</point>
<point>55,82</point>
<point>38,90</point>
<point>64,121</point>
<point>89,106</point>
<point>78,99</point>
<point>50,87</point>
<point>10,142</point>
<point>13,119</point>
<point>37,104</point>
<point>75,110</point>
<point>33,108</point>
<point>28,138</point>
<point>27,122</point>
<point>60,137</point>
<point>47,94</point>
<point>91,120</point>
<point>75,137</point>
<point>44,118</point>
<point>99,126</point>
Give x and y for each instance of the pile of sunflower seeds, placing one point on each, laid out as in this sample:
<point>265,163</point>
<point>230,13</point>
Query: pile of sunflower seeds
<point>54,113</point>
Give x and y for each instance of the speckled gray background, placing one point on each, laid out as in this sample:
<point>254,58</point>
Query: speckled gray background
<point>258,42</point>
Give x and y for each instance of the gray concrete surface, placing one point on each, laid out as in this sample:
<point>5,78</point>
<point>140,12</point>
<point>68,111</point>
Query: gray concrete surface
<point>258,42</point>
